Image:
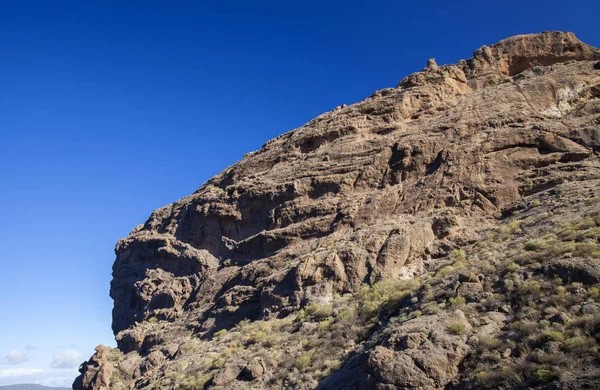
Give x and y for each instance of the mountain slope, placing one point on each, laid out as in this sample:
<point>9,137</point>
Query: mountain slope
<point>405,241</point>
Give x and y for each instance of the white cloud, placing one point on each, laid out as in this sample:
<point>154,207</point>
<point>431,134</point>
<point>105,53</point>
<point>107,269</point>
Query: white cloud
<point>14,357</point>
<point>13,372</point>
<point>67,359</point>
<point>57,377</point>
<point>58,381</point>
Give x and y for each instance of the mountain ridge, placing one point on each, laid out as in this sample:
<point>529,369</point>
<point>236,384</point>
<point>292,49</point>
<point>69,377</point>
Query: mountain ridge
<point>29,386</point>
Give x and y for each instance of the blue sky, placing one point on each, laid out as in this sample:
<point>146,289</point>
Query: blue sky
<point>110,109</point>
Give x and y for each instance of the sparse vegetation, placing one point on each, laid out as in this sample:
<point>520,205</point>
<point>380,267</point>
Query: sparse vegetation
<point>457,328</point>
<point>544,338</point>
<point>195,383</point>
<point>534,297</point>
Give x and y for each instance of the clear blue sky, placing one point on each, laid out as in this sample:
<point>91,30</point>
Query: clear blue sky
<point>110,109</point>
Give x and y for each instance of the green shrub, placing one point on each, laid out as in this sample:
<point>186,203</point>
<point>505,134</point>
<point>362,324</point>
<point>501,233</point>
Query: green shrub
<point>480,376</point>
<point>384,294</point>
<point>220,333</point>
<point>326,324</point>
<point>487,343</point>
<point>587,249</point>
<point>594,293</point>
<point>489,269</point>
<point>318,311</point>
<point>525,327</point>
<point>585,224</point>
<point>195,383</point>
<point>305,360</point>
<point>301,315</point>
<point>431,308</point>
<point>507,376</point>
<point>579,344</point>
<point>515,227</point>
<point>557,248</point>
<point>530,287</point>
<point>458,328</point>
<point>544,376</point>
<point>457,303</point>
<point>444,271</point>
<point>512,267</point>
<point>459,255</point>
<point>345,315</point>
<point>554,336</point>
<point>257,337</point>
<point>188,347</point>
<point>415,314</point>
<point>535,245</point>
<point>218,363</point>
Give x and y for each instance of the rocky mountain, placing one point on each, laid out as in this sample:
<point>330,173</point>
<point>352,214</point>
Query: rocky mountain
<point>440,234</point>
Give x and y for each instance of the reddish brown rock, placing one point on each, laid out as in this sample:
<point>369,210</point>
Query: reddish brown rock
<point>375,190</point>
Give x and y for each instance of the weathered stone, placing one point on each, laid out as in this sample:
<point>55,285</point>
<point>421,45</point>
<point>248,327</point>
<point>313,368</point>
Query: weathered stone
<point>255,369</point>
<point>506,309</point>
<point>376,190</point>
<point>571,270</point>
<point>97,372</point>
<point>412,340</point>
<point>589,308</point>
<point>469,290</point>
<point>421,361</point>
<point>227,374</point>
<point>443,225</point>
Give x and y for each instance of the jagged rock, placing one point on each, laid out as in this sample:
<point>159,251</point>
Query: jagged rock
<point>308,327</point>
<point>255,369</point>
<point>506,309</point>
<point>97,372</point>
<point>227,374</point>
<point>431,64</point>
<point>412,340</point>
<point>575,270</point>
<point>130,339</point>
<point>426,359</point>
<point>443,225</point>
<point>130,365</point>
<point>589,308</point>
<point>469,290</point>
<point>377,190</point>
<point>153,273</point>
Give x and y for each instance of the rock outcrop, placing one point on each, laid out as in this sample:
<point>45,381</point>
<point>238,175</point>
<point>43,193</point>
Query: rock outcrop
<point>387,189</point>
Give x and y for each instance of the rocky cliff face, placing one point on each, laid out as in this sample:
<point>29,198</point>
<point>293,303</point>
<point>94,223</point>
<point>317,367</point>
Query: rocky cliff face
<point>374,246</point>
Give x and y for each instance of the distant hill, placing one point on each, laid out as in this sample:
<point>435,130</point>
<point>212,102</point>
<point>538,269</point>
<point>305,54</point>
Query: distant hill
<point>29,386</point>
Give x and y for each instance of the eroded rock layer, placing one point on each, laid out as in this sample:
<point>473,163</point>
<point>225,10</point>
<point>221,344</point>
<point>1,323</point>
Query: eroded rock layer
<point>384,189</point>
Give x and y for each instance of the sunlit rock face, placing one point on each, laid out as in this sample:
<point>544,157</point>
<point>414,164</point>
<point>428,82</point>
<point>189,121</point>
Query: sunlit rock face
<point>383,189</point>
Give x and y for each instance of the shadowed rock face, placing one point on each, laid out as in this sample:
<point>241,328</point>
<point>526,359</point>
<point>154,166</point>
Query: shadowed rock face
<point>376,190</point>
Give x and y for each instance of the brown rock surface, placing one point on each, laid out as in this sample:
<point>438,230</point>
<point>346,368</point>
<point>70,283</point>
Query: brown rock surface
<point>377,190</point>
